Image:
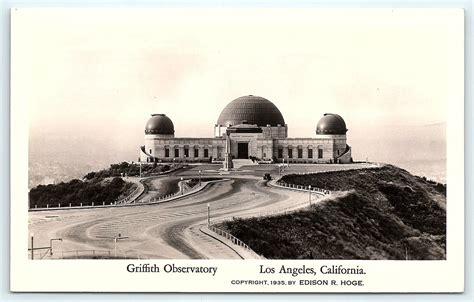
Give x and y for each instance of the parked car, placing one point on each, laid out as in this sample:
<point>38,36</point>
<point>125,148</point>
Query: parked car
<point>267,176</point>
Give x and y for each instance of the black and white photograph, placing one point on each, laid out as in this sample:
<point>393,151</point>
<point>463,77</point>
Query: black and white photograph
<point>248,135</point>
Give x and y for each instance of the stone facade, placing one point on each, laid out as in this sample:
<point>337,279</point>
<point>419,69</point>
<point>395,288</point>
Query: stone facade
<point>182,149</point>
<point>321,149</point>
<point>250,127</point>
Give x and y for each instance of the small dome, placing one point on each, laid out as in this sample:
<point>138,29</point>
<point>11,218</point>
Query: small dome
<point>252,110</point>
<point>331,123</point>
<point>159,124</point>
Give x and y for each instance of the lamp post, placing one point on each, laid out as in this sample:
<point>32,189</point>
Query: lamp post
<point>208,214</point>
<point>32,236</point>
<point>118,237</point>
<point>182,186</point>
<point>51,245</point>
<point>200,177</point>
<point>140,160</point>
<point>115,247</point>
<point>309,194</point>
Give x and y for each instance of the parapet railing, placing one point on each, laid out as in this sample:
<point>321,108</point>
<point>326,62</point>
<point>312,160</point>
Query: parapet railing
<point>140,187</point>
<point>98,254</point>
<point>233,239</point>
<point>186,190</point>
<point>40,254</point>
<point>303,188</point>
<point>343,167</point>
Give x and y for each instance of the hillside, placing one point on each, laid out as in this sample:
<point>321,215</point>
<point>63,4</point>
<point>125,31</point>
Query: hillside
<point>98,187</point>
<point>124,168</point>
<point>77,192</point>
<point>387,213</point>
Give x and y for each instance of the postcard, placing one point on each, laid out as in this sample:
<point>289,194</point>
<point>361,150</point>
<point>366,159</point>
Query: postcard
<point>237,150</point>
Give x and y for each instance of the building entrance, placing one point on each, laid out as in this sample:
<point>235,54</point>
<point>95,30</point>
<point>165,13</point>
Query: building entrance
<point>243,150</point>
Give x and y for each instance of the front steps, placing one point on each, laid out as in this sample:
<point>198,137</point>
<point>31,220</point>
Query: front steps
<point>237,163</point>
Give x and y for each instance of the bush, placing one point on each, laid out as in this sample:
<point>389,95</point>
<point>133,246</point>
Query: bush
<point>124,168</point>
<point>77,191</point>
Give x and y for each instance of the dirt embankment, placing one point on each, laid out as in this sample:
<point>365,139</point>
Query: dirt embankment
<point>388,214</point>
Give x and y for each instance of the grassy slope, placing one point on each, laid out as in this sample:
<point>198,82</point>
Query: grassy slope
<point>166,186</point>
<point>388,214</point>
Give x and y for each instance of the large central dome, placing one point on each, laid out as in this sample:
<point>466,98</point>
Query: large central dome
<point>253,110</point>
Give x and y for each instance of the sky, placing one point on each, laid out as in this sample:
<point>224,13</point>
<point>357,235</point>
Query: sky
<point>97,75</point>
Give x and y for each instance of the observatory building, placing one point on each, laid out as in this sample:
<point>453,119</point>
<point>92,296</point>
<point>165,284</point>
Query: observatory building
<point>249,130</point>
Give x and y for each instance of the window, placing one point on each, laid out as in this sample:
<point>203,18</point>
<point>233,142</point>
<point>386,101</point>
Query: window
<point>310,153</point>
<point>290,153</point>
<point>337,152</point>
<point>167,152</point>
<point>186,152</point>
<point>196,152</point>
<point>176,152</point>
<point>280,152</point>
<point>300,153</point>
<point>206,153</point>
<point>320,153</point>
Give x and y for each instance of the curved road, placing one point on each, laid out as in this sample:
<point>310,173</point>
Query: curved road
<point>168,230</point>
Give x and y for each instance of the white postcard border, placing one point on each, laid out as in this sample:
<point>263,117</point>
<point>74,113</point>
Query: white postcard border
<point>112,276</point>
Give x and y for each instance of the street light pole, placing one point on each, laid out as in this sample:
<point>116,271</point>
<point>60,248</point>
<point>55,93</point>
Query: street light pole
<point>32,247</point>
<point>182,186</point>
<point>51,245</point>
<point>309,194</point>
<point>115,247</point>
<point>118,237</point>
<point>208,214</point>
<point>200,177</point>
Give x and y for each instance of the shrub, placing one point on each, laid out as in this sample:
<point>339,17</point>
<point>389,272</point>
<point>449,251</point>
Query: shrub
<point>77,191</point>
